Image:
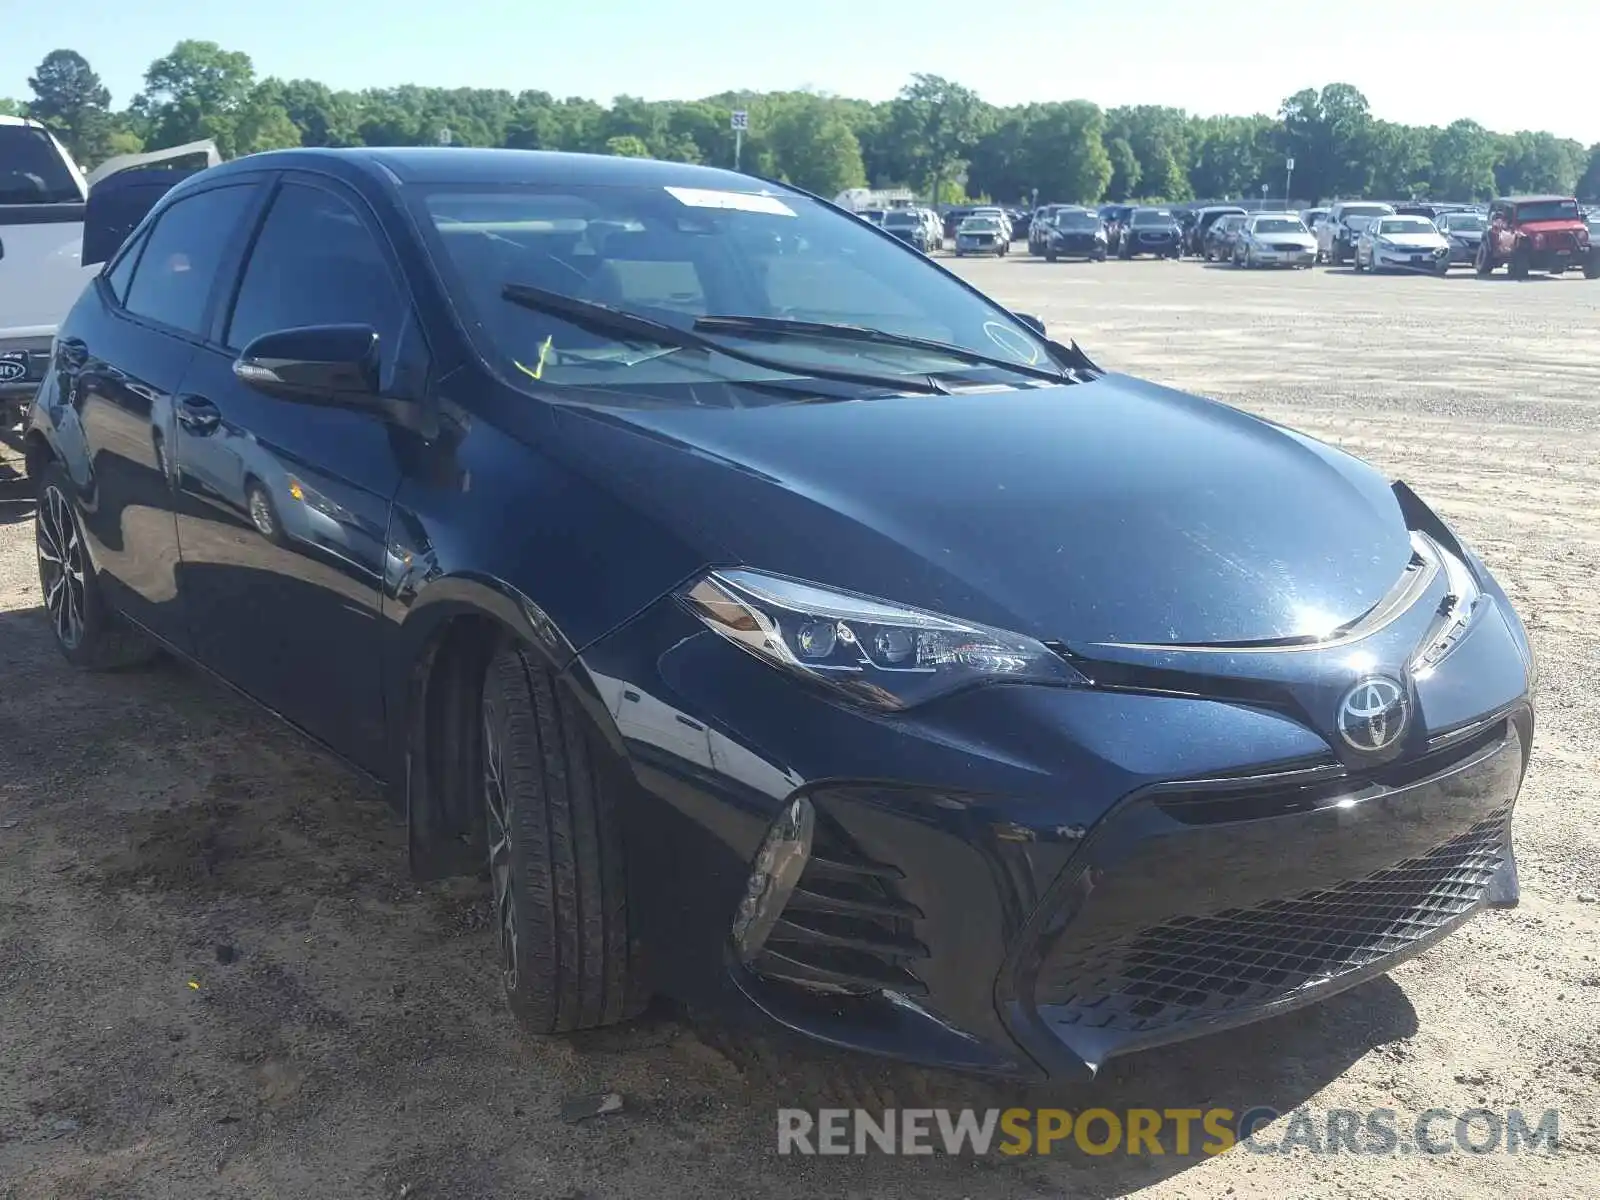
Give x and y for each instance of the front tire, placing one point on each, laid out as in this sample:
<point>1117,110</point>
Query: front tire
<point>89,633</point>
<point>555,855</point>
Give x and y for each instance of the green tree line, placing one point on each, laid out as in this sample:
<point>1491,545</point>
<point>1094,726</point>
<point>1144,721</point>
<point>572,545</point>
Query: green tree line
<point>936,136</point>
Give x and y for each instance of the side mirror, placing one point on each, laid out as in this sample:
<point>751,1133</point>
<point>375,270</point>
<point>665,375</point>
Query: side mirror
<point>1031,321</point>
<point>326,362</point>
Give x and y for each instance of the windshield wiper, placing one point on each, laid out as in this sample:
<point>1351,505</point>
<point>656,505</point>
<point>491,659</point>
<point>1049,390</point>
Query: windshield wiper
<point>606,319</point>
<point>880,337</point>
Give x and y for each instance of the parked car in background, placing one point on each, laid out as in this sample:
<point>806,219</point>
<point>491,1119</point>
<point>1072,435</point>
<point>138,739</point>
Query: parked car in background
<point>910,225</point>
<point>982,233</point>
<point>1204,219</point>
<point>1020,219</point>
<point>1536,233</point>
<point>1336,237</point>
<point>1274,240</point>
<point>935,226</point>
<point>1433,210</point>
<point>1114,217</point>
<point>1404,243</point>
<point>1464,231</point>
<point>1151,231</point>
<point>1039,224</point>
<point>872,216</point>
<point>1075,233</point>
<point>953,217</point>
<point>998,213</point>
<point>1222,235</point>
<point>1312,217</point>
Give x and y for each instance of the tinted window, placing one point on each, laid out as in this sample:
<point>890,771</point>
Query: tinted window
<point>32,170</point>
<point>117,278</point>
<point>314,263</point>
<point>1152,216</point>
<point>181,256</point>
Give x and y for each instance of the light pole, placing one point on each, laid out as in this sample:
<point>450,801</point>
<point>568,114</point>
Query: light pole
<point>1288,181</point>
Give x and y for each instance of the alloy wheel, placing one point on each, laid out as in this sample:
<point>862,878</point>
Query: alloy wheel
<point>61,563</point>
<point>261,513</point>
<point>499,837</point>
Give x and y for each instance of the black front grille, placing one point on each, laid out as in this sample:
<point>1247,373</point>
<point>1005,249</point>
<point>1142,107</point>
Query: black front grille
<point>1194,968</point>
<point>1290,248</point>
<point>846,928</point>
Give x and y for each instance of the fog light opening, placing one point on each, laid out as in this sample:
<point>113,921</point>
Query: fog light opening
<point>773,877</point>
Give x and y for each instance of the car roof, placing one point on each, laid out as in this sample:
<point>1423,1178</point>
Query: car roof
<point>1535,199</point>
<point>469,165</point>
<point>1295,215</point>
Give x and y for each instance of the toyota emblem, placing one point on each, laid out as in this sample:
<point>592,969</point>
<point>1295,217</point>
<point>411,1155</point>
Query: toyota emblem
<point>1374,714</point>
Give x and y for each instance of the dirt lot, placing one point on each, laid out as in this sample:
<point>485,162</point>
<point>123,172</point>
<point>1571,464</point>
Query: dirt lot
<point>217,980</point>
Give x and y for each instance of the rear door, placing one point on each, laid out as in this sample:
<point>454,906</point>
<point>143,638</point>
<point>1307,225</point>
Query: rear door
<point>284,504</point>
<point>121,357</point>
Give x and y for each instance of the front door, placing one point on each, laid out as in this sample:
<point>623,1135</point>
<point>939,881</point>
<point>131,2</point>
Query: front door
<point>284,504</point>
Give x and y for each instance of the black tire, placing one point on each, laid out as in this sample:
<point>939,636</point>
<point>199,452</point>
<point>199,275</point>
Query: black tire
<point>1591,269</point>
<point>555,855</point>
<point>1518,267</point>
<point>1483,264</point>
<point>1049,256</point>
<point>89,633</point>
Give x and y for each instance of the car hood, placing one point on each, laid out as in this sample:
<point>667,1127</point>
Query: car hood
<point>1299,239</point>
<point>1109,511</point>
<point>1424,241</point>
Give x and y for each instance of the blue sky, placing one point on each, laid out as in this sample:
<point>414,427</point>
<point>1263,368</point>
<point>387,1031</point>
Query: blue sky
<point>1419,63</point>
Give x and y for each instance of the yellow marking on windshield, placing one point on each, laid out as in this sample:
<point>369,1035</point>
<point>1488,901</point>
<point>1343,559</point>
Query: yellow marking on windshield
<point>537,370</point>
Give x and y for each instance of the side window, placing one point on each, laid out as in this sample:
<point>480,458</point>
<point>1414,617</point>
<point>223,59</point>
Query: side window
<point>122,270</point>
<point>174,274</point>
<point>315,263</point>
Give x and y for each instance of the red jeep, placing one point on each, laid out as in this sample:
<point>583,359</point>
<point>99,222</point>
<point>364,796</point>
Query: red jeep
<point>1536,233</point>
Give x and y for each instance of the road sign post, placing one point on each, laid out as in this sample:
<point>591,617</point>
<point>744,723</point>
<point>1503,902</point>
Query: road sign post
<point>1288,182</point>
<point>740,122</point>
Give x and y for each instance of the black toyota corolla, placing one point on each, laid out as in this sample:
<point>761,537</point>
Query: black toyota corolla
<point>771,618</point>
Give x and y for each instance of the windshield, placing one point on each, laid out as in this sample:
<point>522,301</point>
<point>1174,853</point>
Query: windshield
<point>674,255</point>
<point>1077,220</point>
<point>1548,210</point>
<point>903,217</point>
<point>1153,216</point>
<point>1363,210</point>
<point>32,170</point>
<point>980,225</point>
<point>1404,225</point>
<point>1465,222</point>
<point>1279,225</point>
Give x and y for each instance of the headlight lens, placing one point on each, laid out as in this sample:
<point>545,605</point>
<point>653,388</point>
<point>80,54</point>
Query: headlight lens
<point>876,653</point>
<point>1457,610</point>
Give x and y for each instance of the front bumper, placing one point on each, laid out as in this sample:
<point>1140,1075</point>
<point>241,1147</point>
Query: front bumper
<point>1026,881</point>
<point>1287,256</point>
<point>985,242</point>
<point>1146,243</point>
<point>23,363</point>
<point>1078,246</point>
<point>1408,259</point>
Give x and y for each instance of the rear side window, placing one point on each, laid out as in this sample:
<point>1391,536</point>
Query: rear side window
<point>181,256</point>
<point>315,263</point>
<point>117,278</point>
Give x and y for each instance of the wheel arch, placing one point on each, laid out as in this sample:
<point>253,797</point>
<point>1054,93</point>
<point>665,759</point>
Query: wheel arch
<point>450,631</point>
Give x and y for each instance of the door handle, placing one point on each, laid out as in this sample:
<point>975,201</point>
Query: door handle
<point>198,415</point>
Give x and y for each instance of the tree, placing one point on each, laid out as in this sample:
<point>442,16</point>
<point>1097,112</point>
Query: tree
<point>1329,135</point>
<point>10,107</point>
<point>628,146</point>
<point>1066,153</point>
<point>71,100</point>
<point>815,149</point>
<point>941,123</point>
<point>1538,162</point>
<point>1125,170</point>
<point>198,91</point>
<point>1158,138</point>
<point>1463,162</point>
<point>1589,183</point>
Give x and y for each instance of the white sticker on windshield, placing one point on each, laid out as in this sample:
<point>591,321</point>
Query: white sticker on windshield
<point>739,201</point>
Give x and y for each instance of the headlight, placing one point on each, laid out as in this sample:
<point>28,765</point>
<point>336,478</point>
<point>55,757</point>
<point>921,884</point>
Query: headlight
<point>1456,611</point>
<point>880,654</point>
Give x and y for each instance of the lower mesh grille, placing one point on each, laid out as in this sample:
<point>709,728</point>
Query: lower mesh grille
<point>1192,968</point>
<point>846,928</point>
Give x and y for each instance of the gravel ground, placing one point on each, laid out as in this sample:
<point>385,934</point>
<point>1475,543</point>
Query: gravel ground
<point>217,980</point>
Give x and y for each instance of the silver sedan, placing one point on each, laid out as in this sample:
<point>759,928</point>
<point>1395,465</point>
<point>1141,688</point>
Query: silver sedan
<point>1275,240</point>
